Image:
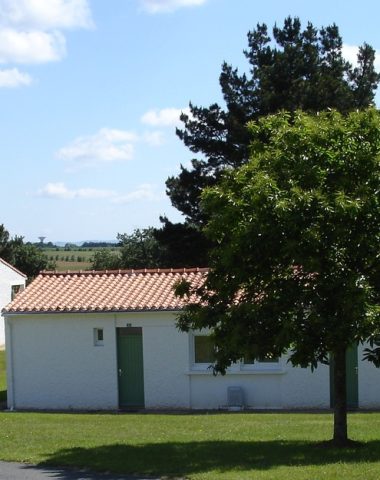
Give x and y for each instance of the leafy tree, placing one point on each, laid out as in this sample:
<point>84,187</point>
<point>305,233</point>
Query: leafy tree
<point>182,244</point>
<point>105,259</point>
<point>298,268</point>
<point>26,257</point>
<point>140,249</point>
<point>293,69</point>
<point>30,259</point>
<point>5,244</point>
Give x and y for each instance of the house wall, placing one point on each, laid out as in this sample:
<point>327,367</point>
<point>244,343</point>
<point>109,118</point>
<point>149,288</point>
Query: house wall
<point>54,364</point>
<point>263,387</point>
<point>8,277</point>
<point>369,382</point>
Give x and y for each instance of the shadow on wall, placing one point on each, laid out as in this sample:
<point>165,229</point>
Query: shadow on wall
<point>195,457</point>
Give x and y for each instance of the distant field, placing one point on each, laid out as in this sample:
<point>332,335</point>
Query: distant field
<point>73,259</point>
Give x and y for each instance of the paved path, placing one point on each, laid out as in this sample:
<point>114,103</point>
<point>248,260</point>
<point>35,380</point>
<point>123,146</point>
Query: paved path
<point>20,471</point>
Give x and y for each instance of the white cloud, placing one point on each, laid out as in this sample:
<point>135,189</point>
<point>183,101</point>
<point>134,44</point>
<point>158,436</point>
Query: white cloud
<point>59,190</point>
<point>105,146</point>
<point>166,6</point>
<point>31,47</point>
<point>31,30</point>
<point>350,53</point>
<point>167,117</point>
<point>46,14</point>
<point>14,78</point>
<point>143,192</point>
<point>155,139</point>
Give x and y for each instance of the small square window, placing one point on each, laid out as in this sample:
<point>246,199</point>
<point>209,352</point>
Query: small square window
<point>15,290</point>
<point>98,336</point>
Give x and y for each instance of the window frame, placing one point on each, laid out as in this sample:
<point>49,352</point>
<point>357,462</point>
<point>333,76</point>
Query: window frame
<point>98,342</point>
<point>205,366</point>
<point>235,368</point>
<point>16,288</point>
<point>260,365</point>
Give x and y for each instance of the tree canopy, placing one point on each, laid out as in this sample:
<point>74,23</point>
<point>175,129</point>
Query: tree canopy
<point>26,257</point>
<point>298,268</point>
<point>140,249</point>
<point>295,68</point>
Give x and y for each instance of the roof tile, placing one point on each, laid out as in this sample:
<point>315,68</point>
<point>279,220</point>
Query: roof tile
<point>94,291</point>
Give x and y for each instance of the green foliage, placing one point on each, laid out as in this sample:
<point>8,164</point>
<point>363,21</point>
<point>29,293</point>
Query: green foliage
<point>298,267</point>
<point>181,244</point>
<point>140,249</point>
<point>301,251</point>
<point>26,257</point>
<point>293,69</point>
<point>105,259</point>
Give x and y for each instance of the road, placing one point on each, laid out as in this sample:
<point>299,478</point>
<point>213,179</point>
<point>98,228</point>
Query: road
<point>20,471</point>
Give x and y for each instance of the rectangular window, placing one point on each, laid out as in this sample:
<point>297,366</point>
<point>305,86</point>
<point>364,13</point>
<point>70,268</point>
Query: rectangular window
<point>98,337</point>
<point>204,350</point>
<point>15,290</point>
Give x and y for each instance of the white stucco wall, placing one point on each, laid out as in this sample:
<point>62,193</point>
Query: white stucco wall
<point>369,382</point>
<point>53,364</point>
<point>265,386</point>
<point>8,277</point>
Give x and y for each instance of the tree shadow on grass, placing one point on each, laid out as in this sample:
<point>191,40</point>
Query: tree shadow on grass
<point>176,459</point>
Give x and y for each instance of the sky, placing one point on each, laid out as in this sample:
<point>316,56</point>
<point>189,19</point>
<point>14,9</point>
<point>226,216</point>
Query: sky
<point>91,92</point>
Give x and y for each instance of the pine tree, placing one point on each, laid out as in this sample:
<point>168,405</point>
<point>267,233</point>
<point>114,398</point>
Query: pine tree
<point>294,69</point>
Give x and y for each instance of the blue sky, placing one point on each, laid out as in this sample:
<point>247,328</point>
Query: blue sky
<point>91,90</point>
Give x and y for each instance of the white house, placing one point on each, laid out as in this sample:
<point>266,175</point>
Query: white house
<point>11,282</point>
<point>108,340</point>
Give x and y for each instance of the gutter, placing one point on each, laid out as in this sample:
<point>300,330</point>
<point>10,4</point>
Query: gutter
<point>101,312</point>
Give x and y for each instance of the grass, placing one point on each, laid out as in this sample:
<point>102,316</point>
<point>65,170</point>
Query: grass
<point>3,381</point>
<point>196,446</point>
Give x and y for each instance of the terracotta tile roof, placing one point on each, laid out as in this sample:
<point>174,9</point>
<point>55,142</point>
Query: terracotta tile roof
<point>12,267</point>
<point>105,291</point>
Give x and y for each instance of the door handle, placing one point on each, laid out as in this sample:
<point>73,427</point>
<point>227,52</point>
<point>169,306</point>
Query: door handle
<point>120,372</point>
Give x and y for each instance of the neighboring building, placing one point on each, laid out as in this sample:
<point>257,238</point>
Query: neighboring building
<point>108,340</point>
<point>11,282</point>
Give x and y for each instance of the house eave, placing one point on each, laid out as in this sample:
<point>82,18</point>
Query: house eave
<point>87,312</point>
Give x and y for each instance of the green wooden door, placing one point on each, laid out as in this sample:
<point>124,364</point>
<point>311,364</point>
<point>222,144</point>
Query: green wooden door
<point>130,367</point>
<point>351,378</point>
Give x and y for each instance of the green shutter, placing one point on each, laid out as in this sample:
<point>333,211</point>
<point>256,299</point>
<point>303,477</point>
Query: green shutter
<point>351,378</point>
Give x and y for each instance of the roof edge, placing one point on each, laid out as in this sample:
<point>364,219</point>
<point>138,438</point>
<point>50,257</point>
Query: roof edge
<point>12,267</point>
<point>5,312</point>
<point>49,273</point>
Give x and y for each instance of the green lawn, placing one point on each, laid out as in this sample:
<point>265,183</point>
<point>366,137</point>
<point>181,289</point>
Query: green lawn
<point>3,382</point>
<point>208,446</point>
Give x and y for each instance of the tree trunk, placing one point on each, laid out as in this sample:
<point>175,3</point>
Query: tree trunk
<point>340,393</point>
